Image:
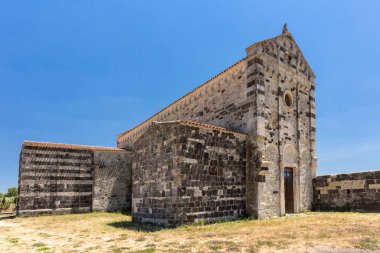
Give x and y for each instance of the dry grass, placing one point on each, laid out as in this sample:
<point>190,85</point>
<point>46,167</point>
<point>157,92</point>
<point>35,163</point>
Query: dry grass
<point>114,232</point>
<point>10,208</point>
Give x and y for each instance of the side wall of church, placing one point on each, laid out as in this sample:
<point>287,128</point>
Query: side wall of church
<point>224,101</point>
<point>112,181</point>
<point>60,179</point>
<point>284,134</point>
<point>186,173</point>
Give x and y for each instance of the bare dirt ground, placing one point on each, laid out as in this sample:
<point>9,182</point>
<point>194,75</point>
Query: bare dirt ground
<point>114,232</point>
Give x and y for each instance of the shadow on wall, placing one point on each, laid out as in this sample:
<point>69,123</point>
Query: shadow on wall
<point>112,181</point>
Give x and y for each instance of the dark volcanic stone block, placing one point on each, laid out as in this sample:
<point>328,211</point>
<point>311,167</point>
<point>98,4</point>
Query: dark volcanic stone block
<point>63,178</point>
<point>353,192</point>
<point>197,189</point>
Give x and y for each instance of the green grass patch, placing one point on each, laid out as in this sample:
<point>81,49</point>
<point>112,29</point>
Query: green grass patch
<point>147,250</point>
<point>77,245</point>
<point>13,240</point>
<point>93,248</point>
<point>41,247</point>
<point>218,245</point>
<point>44,235</point>
<point>323,235</point>
<point>267,243</point>
<point>367,243</point>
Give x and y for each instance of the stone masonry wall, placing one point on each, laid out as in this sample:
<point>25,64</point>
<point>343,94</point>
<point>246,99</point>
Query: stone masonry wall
<point>112,180</point>
<point>283,135</point>
<point>269,95</point>
<point>347,192</point>
<point>185,172</point>
<point>58,178</point>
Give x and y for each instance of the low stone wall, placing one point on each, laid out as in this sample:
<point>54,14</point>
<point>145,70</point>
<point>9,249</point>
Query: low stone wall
<point>347,192</point>
<point>59,178</point>
<point>186,172</point>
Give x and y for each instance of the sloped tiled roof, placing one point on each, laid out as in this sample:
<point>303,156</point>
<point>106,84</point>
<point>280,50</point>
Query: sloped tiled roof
<point>70,146</point>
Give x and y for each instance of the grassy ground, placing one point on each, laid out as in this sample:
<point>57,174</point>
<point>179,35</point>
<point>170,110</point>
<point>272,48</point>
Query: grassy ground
<point>114,232</point>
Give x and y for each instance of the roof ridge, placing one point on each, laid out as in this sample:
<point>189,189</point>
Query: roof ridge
<point>72,146</point>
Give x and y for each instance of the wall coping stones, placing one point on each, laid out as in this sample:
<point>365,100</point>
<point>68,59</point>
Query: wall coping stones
<point>350,173</point>
<point>70,146</point>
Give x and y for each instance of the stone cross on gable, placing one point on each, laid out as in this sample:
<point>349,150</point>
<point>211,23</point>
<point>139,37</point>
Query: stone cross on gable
<point>285,29</point>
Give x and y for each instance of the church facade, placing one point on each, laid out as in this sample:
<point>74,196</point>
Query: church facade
<point>242,143</point>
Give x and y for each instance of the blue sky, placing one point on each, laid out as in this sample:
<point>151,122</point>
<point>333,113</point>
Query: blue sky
<point>83,71</point>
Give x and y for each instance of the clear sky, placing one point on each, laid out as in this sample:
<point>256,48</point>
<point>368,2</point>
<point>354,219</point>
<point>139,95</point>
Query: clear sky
<point>83,71</point>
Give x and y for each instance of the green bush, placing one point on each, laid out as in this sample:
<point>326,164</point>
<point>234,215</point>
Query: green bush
<point>6,202</point>
<point>12,192</point>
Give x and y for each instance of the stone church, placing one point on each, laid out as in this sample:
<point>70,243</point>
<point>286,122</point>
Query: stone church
<point>241,144</point>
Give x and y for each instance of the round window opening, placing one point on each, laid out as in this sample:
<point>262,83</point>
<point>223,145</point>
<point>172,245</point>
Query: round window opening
<point>288,99</point>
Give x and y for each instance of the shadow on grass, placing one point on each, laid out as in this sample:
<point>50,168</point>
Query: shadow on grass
<point>8,217</point>
<point>137,226</point>
<point>124,211</point>
<point>140,227</point>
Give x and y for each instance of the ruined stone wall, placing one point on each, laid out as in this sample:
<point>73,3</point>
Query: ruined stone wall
<point>347,192</point>
<point>187,172</point>
<point>112,180</point>
<point>283,135</point>
<point>223,101</point>
<point>59,178</point>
